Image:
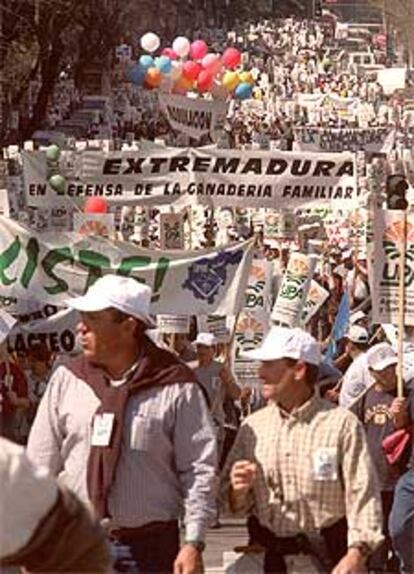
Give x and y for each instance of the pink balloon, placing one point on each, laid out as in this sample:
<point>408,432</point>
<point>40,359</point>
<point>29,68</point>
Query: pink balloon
<point>191,70</point>
<point>231,58</point>
<point>204,81</point>
<point>198,49</point>
<point>170,53</point>
<point>211,63</point>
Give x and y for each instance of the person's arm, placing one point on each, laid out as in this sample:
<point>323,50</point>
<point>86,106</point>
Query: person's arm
<point>46,436</point>
<point>196,461</point>
<point>232,388</point>
<point>362,498</point>
<point>52,533</point>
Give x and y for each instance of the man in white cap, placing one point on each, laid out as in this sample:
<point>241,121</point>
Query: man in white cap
<point>127,427</point>
<point>356,378</point>
<point>43,526</point>
<point>383,413</point>
<point>301,467</point>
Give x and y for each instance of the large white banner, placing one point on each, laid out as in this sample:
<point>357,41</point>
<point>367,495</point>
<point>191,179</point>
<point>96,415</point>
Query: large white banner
<point>213,177</point>
<point>388,244</point>
<point>51,267</point>
<point>191,116</point>
<point>375,140</point>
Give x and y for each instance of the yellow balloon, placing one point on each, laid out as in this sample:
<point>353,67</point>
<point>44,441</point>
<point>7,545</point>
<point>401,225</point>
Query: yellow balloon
<point>231,81</point>
<point>246,78</point>
<point>257,93</point>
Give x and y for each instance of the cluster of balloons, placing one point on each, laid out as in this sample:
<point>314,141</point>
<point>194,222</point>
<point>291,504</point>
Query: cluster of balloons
<point>187,66</point>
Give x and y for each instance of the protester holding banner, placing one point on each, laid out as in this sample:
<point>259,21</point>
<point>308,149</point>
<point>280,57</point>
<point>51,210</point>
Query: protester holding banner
<point>149,412</point>
<point>294,466</point>
<point>385,417</point>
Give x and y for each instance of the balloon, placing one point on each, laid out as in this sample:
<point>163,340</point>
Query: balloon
<point>136,74</point>
<point>231,58</point>
<point>169,52</point>
<point>163,63</point>
<point>243,91</point>
<point>184,85</point>
<point>246,78</point>
<point>146,62</point>
<point>52,153</point>
<point>153,77</point>
<point>198,49</point>
<point>191,70</point>
<point>230,81</point>
<point>204,81</point>
<point>95,205</point>
<point>211,63</point>
<point>181,46</point>
<point>176,70</point>
<point>58,183</point>
<point>150,42</point>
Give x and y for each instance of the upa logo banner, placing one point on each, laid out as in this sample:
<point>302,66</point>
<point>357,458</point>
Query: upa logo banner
<point>388,244</point>
<point>294,289</point>
<point>258,287</point>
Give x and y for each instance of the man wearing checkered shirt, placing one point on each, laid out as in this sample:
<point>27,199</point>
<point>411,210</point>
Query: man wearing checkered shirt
<point>301,469</point>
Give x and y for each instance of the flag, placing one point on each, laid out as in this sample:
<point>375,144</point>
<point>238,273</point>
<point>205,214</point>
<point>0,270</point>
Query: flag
<point>340,326</point>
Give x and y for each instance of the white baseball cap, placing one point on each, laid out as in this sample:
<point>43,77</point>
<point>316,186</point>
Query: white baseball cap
<point>7,322</point>
<point>357,334</point>
<point>381,356</point>
<point>284,343</point>
<point>357,316</point>
<point>206,339</point>
<point>113,291</point>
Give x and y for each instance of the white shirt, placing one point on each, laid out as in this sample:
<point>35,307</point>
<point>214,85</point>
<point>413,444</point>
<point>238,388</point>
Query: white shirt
<point>356,379</point>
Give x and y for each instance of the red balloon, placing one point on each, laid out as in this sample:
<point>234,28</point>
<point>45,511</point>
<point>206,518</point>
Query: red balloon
<point>231,58</point>
<point>170,53</point>
<point>191,70</point>
<point>198,49</point>
<point>204,81</point>
<point>95,205</point>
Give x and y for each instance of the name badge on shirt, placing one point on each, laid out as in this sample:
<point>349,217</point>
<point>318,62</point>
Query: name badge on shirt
<point>102,429</point>
<point>325,463</point>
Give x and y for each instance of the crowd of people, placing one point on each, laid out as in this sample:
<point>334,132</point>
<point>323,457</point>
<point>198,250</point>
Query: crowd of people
<point>153,431</point>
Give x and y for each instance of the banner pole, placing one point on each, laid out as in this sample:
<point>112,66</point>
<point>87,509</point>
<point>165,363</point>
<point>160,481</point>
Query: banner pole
<point>401,309</point>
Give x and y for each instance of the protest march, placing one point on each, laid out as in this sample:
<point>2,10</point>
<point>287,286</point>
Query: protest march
<point>207,290</point>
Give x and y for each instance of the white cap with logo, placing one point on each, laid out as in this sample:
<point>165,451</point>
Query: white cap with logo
<point>114,291</point>
<point>357,334</point>
<point>284,343</point>
<point>206,339</point>
<point>381,356</point>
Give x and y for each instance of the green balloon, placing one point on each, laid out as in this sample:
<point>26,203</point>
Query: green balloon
<point>58,183</point>
<point>53,152</point>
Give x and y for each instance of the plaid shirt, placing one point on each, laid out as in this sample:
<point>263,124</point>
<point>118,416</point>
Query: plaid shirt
<point>313,469</point>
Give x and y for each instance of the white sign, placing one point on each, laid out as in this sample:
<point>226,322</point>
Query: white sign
<point>375,140</point>
<point>102,224</point>
<point>172,230</point>
<point>195,117</point>
<point>317,295</point>
<point>173,323</point>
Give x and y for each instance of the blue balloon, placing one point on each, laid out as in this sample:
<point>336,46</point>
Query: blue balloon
<point>146,62</point>
<point>163,63</point>
<point>136,75</point>
<point>244,91</point>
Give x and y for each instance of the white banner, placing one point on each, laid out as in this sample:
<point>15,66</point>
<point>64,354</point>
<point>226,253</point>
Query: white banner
<point>317,295</point>
<point>191,116</point>
<point>294,289</point>
<point>214,177</point>
<point>388,243</point>
<point>58,332</point>
<point>375,140</point>
<point>52,267</point>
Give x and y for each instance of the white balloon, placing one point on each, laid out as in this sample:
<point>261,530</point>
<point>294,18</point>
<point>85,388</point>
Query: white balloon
<point>150,42</point>
<point>176,70</point>
<point>181,46</point>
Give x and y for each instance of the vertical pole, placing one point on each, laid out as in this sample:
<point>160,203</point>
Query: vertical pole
<point>401,309</point>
